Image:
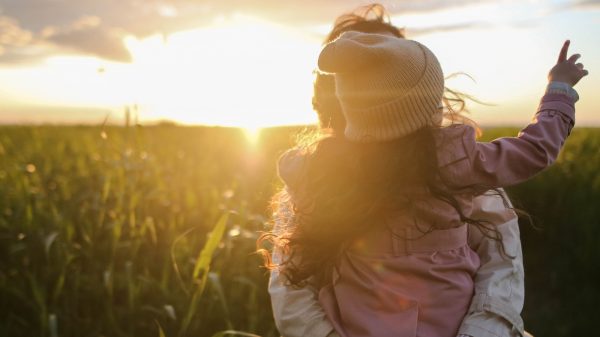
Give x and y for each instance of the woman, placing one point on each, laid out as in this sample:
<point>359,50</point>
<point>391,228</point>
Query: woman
<point>495,309</point>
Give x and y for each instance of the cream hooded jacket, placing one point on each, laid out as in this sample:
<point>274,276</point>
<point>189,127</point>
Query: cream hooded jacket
<point>499,285</point>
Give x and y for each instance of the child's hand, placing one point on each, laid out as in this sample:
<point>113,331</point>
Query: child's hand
<point>566,70</point>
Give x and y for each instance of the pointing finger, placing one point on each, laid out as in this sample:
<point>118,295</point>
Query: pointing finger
<point>579,66</point>
<point>563,51</point>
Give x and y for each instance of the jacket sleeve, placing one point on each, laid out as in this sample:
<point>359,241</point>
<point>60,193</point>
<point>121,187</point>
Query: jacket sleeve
<point>506,161</point>
<point>296,311</point>
<point>499,283</point>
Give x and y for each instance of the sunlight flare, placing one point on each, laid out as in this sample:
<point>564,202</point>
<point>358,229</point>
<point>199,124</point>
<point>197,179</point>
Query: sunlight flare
<point>240,72</point>
<point>252,134</point>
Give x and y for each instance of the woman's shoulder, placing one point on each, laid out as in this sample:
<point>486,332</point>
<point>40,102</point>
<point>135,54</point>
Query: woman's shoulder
<point>290,166</point>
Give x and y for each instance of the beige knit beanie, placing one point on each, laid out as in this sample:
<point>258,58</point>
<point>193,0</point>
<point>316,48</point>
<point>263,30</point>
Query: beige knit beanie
<point>388,87</point>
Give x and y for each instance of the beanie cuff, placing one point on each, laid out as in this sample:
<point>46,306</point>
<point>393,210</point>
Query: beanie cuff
<point>391,120</point>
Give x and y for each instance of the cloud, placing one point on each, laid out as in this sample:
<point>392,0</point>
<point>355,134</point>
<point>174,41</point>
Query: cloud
<point>576,5</point>
<point>87,35</point>
<point>448,28</point>
<point>18,45</point>
<point>31,29</point>
<point>12,35</point>
<point>301,12</point>
<point>83,36</point>
<point>586,4</point>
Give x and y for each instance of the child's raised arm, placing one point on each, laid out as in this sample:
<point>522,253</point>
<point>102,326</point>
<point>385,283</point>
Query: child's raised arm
<point>465,162</point>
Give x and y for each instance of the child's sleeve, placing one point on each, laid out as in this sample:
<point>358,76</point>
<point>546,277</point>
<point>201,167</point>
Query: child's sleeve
<point>464,162</point>
<point>296,311</point>
<point>499,283</point>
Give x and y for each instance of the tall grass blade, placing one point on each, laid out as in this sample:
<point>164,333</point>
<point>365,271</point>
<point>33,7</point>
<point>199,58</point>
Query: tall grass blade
<point>161,333</point>
<point>202,267</point>
<point>234,333</point>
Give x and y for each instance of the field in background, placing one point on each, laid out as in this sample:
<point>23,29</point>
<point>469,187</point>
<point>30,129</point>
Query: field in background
<point>105,232</point>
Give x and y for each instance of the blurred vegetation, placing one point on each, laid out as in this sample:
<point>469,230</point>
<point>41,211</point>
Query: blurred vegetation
<point>145,231</point>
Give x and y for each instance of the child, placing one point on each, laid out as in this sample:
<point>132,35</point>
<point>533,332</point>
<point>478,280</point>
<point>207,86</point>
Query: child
<point>379,219</point>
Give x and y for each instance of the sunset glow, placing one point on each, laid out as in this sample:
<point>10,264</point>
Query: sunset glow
<point>240,72</point>
<point>248,71</point>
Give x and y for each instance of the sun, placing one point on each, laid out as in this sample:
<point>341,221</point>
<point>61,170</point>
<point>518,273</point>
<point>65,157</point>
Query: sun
<point>240,72</point>
<point>252,134</point>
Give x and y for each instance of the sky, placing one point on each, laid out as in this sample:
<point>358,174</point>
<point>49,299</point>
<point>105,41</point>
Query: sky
<point>249,63</point>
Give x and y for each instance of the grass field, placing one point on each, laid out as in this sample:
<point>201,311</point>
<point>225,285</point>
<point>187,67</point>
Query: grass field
<point>144,231</point>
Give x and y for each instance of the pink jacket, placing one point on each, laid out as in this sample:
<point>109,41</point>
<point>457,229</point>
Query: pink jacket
<point>409,284</point>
